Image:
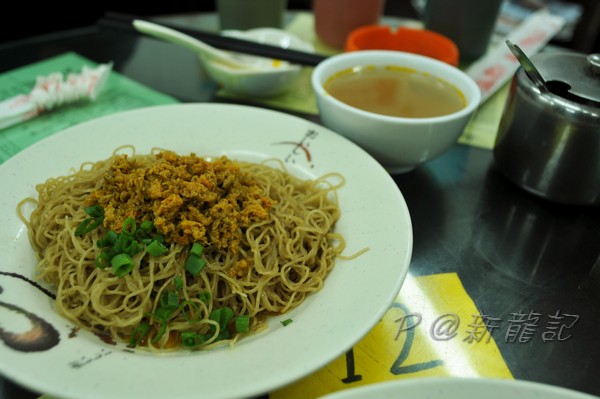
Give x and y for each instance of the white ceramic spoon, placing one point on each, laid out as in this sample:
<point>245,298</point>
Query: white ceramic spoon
<point>193,44</point>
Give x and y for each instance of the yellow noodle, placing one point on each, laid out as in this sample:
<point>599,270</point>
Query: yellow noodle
<point>292,252</point>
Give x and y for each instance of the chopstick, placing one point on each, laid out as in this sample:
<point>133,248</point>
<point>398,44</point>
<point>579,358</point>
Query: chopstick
<point>124,22</point>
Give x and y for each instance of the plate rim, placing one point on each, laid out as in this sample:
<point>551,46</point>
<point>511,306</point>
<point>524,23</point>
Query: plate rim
<point>437,383</point>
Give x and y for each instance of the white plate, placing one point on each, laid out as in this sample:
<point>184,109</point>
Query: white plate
<point>355,296</point>
<point>458,388</point>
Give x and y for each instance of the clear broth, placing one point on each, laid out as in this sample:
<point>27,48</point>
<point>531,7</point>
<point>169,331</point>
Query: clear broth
<point>395,91</point>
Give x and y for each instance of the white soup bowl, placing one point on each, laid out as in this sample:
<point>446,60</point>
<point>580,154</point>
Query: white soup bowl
<point>398,143</point>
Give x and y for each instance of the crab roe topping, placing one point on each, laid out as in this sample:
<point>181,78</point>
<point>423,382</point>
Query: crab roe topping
<point>187,198</point>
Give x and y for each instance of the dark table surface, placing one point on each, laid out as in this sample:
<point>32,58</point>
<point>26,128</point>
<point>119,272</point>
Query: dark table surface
<point>513,252</point>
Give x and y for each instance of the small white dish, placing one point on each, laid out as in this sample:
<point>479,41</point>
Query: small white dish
<point>272,77</point>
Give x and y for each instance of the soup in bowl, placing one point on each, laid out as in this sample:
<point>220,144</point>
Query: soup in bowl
<point>403,108</point>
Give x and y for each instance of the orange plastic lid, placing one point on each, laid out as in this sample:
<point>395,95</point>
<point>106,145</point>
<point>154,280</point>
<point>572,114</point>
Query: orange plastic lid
<point>418,41</point>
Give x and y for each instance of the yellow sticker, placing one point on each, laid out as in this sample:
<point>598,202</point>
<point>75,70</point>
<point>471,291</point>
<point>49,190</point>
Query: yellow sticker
<point>432,329</point>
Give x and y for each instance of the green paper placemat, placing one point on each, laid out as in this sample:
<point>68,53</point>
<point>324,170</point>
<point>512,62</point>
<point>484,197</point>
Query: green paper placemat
<point>119,94</point>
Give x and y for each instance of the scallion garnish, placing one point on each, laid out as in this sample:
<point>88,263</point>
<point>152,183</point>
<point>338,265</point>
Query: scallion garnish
<point>133,248</point>
<point>204,296</point>
<point>191,339</point>
<point>129,226</point>
<point>194,264</point>
<point>242,323</point>
<point>96,217</point>
<point>197,249</point>
<point>108,240</point>
<point>103,260</point>
<point>128,242</point>
<point>169,300</point>
<point>178,283</point>
<point>287,322</point>
<point>156,249</point>
<point>139,333</point>
<point>192,306</point>
<point>122,242</point>
<point>168,304</point>
<point>94,211</point>
<point>161,331</point>
<point>122,264</point>
<point>222,316</point>
<point>147,225</point>
<point>163,313</point>
<point>88,225</point>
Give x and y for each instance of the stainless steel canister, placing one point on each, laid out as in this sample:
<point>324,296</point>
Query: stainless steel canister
<point>549,143</point>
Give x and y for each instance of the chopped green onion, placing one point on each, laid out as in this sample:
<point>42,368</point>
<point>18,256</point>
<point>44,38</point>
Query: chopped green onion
<point>287,322</point>
<point>226,315</point>
<point>222,316</point>
<point>215,315</point>
<point>188,338</point>
<point>147,225</point>
<point>163,314</point>
<point>191,305</point>
<point>88,225</point>
<point>139,333</point>
<point>156,249</point>
<point>94,211</point>
<point>103,260</point>
<point>191,339</point>
<point>122,242</point>
<point>194,264</point>
<point>242,323</point>
<point>204,296</point>
<point>122,264</point>
<point>178,283</point>
<point>144,231</point>
<point>169,300</point>
<point>131,241</point>
<point>161,331</point>
<point>197,249</point>
<point>108,239</point>
<point>129,226</point>
<point>133,248</point>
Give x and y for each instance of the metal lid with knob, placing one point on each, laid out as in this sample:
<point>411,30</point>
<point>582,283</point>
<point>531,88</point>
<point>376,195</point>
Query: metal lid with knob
<point>573,76</point>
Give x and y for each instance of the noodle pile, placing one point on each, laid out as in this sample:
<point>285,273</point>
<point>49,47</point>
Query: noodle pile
<point>278,259</point>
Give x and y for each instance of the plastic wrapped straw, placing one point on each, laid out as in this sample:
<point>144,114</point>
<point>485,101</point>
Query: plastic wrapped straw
<point>53,91</point>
